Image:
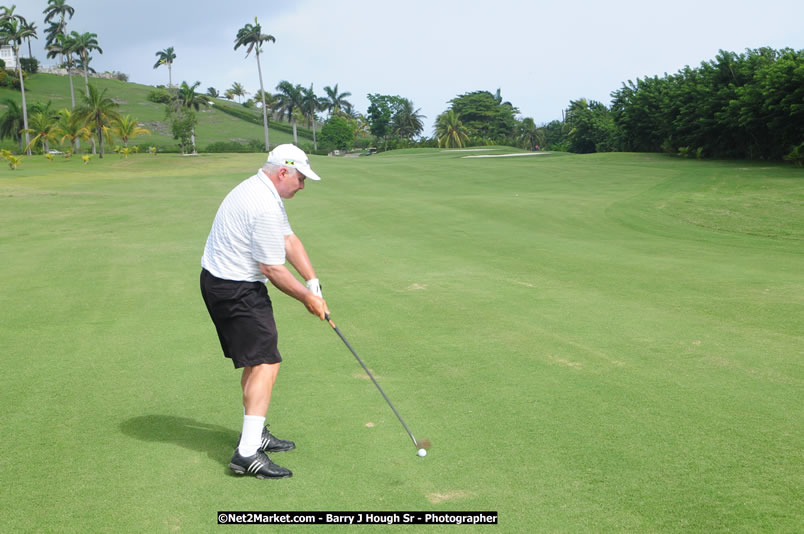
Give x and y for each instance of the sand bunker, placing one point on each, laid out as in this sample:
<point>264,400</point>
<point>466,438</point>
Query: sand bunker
<point>467,150</point>
<point>507,155</point>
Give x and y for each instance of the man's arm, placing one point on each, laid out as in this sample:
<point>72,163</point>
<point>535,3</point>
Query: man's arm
<point>297,256</point>
<point>283,280</point>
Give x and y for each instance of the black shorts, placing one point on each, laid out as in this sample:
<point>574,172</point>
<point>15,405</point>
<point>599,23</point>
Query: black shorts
<point>244,319</point>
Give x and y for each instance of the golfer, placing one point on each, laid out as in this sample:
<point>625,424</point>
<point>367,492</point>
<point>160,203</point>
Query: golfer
<point>249,243</point>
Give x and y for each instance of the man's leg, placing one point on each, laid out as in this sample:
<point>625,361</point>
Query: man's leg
<point>257,383</point>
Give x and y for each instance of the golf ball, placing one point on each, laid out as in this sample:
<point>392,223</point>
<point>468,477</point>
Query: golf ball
<point>422,453</point>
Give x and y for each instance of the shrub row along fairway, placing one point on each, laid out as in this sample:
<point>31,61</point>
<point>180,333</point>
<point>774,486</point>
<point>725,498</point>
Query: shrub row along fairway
<point>592,343</point>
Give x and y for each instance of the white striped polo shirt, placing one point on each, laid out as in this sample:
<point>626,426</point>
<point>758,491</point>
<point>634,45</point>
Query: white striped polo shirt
<point>249,229</point>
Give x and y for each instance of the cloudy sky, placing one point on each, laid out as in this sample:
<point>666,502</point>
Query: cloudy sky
<point>540,54</point>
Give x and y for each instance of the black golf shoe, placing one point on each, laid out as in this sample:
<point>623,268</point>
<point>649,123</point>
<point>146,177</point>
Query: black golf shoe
<point>258,465</point>
<point>271,443</point>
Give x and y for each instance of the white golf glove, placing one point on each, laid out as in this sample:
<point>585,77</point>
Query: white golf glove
<point>315,287</point>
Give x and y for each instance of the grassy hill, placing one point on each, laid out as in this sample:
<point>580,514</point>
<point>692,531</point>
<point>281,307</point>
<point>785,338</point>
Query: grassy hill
<point>213,125</point>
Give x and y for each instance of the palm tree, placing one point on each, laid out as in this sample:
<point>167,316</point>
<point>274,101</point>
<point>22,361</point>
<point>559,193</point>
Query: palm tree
<point>8,14</point>
<point>84,44</point>
<point>57,9</point>
<point>81,64</point>
<point>63,46</point>
<point>288,99</point>
<point>99,111</point>
<point>126,128</point>
<point>166,57</point>
<point>531,136</point>
<point>264,96</point>
<point>212,92</point>
<point>407,121</point>
<point>336,102</point>
<point>361,127</point>
<point>12,122</point>
<point>252,37</point>
<point>44,107</point>
<point>43,125</point>
<point>187,99</point>
<point>56,13</point>
<point>71,126</point>
<point>52,33</point>
<point>238,90</point>
<point>31,27</point>
<point>310,105</point>
<point>450,131</point>
<point>13,31</point>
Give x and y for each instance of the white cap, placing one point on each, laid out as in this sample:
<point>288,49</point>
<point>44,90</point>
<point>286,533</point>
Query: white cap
<point>292,156</point>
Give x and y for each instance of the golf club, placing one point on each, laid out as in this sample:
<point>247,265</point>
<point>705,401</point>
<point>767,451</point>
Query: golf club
<point>424,444</point>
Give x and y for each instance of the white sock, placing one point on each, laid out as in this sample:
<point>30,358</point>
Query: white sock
<point>252,435</point>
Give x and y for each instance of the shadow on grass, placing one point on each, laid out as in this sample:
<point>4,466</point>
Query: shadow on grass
<point>216,441</point>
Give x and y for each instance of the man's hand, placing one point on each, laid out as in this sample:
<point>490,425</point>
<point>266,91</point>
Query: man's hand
<point>281,278</point>
<point>316,305</point>
<point>315,287</point>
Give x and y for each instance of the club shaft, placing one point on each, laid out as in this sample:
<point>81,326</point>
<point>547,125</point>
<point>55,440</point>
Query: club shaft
<point>375,382</point>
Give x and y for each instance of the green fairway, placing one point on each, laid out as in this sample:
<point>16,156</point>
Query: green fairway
<point>599,343</point>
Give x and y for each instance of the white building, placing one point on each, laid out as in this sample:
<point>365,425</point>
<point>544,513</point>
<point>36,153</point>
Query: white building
<point>7,55</point>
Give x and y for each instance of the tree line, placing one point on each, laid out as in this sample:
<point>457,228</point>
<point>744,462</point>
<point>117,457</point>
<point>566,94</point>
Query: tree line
<point>748,105</point>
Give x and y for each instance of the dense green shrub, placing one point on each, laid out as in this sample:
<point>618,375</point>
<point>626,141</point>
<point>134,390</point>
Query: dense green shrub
<point>233,146</point>
<point>240,112</point>
<point>256,145</point>
<point>428,142</point>
<point>561,146</point>
<point>145,148</point>
<point>29,65</point>
<point>159,96</point>
<point>796,156</point>
<point>14,79</point>
<point>10,78</point>
<point>336,134</point>
<point>10,145</point>
<point>364,142</point>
